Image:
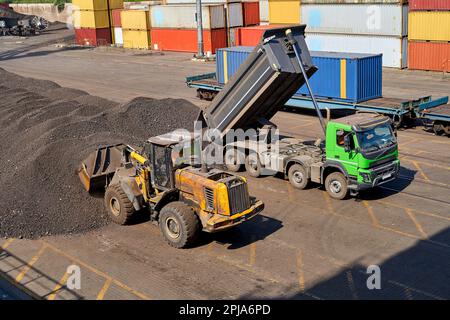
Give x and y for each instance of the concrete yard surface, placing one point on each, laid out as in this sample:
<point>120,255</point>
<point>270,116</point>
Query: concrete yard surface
<point>304,245</point>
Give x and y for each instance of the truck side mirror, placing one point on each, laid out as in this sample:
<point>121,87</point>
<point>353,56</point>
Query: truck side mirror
<point>347,143</point>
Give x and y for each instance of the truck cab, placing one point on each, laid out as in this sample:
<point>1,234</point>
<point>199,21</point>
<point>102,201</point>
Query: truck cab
<point>363,148</point>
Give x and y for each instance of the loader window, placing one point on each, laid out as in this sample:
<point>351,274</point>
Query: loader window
<point>162,168</point>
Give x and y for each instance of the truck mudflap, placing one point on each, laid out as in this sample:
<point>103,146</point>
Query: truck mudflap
<point>221,222</point>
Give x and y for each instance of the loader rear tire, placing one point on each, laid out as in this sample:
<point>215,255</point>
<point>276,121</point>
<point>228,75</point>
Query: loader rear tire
<point>179,224</point>
<point>120,208</point>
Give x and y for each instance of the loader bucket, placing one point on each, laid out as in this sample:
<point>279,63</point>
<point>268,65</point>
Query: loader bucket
<point>99,167</point>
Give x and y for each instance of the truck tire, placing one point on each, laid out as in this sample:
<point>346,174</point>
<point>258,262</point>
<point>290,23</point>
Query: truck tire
<point>298,176</point>
<point>253,165</point>
<point>120,208</point>
<point>233,159</point>
<point>336,185</point>
<point>179,224</point>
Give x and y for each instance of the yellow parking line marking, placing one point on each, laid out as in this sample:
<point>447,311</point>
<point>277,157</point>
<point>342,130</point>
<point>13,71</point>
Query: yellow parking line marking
<point>351,285</point>
<point>371,214</point>
<point>30,263</point>
<point>59,285</point>
<point>291,197</point>
<point>96,271</point>
<point>415,290</point>
<point>413,140</point>
<point>310,122</point>
<point>419,169</point>
<point>301,276</point>
<point>105,288</point>
<point>414,210</point>
<point>416,223</point>
<point>6,244</point>
<point>328,202</point>
<point>408,294</point>
<point>252,258</point>
<point>425,163</point>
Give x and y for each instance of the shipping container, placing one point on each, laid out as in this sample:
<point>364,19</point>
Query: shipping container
<point>135,19</point>
<point>429,4</point>
<point>233,37</point>
<point>264,10</point>
<point>115,18</point>
<point>376,19</point>
<point>136,39</point>
<point>352,1</point>
<point>194,1</point>
<point>429,25</point>
<point>235,15</point>
<point>184,17</point>
<point>118,36</point>
<point>251,36</point>
<point>90,19</point>
<point>348,77</point>
<point>185,40</point>
<point>284,11</point>
<point>394,49</point>
<point>97,4</point>
<point>251,13</point>
<point>93,37</point>
<point>433,56</point>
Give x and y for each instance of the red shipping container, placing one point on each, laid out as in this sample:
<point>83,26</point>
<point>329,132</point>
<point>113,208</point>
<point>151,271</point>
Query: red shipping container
<point>429,5</point>
<point>251,13</point>
<point>93,37</point>
<point>251,36</point>
<point>116,22</point>
<point>433,56</point>
<point>185,40</point>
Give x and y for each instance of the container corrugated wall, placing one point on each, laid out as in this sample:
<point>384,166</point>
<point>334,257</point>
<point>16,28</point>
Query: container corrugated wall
<point>93,37</point>
<point>284,11</point>
<point>115,18</point>
<point>184,17</point>
<point>374,19</point>
<point>135,19</point>
<point>235,15</point>
<point>352,1</point>
<point>118,36</point>
<point>429,25</point>
<point>429,4</point>
<point>136,39</point>
<point>340,76</point>
<point>433,56</point>
<point>251,13</point>
<point>264,10</point>
<point>91,19</point>
<point>97,4</point>
<point>394,50</point>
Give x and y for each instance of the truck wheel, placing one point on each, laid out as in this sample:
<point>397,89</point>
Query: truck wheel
<point>298,176</point>
<point>233,160</point>
<point>120,208</point>
<point>253,165</point>
<point>179,224</point>
<point>336,185</point>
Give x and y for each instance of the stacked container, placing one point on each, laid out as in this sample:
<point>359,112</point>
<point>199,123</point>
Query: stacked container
<point>361,26</point>
<point>348,77</point>
<point>92,20</point>
<point>174,27</point>
<point>429,35</point>
<point>135,29</point>
<point>284,11</point>
<point>264,11</point>
<point>116,30</point>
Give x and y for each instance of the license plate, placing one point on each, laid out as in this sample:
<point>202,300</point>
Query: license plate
<point>386,176</point>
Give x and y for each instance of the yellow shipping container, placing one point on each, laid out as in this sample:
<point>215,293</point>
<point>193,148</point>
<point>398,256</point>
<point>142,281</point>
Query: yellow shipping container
<point>429,25</point>
<point>135,19</point>
<point>284,11</point>
<point>136,39</point>
<point>97,4</point>
<point>90,19</point>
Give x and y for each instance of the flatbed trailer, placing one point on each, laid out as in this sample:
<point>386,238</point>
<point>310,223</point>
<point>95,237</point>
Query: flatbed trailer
<point>401,111</point>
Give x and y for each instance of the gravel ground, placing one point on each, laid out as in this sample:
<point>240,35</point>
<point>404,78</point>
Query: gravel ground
<point>45,131</point>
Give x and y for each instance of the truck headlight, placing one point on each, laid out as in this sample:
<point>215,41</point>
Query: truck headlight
<point>366,176</point>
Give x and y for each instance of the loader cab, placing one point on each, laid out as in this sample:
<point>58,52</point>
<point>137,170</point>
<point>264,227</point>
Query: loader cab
<point>167,153</point>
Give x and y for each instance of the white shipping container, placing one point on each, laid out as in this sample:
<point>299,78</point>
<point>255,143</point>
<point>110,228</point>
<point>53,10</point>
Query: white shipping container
<point>235,17</point>
<point>184,16</point>
<point>376,19</point>
<point>118,37</point>
<point>264,10</point>
<point>394,49</point>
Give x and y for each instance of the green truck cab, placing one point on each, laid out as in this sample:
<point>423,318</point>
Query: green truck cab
<point>361,152</point>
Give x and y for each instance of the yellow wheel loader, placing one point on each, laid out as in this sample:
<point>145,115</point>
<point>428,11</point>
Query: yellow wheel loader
<point>184,199</point>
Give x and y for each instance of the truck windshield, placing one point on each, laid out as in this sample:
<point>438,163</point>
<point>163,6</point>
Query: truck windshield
<point>376,138</point>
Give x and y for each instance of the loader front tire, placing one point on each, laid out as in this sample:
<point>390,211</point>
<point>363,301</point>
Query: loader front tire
<point>179,224</point>
<point>120,208</point>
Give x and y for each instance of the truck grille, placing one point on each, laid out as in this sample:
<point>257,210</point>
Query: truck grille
<point>384,170</point>
<point>238,197</point>
<point>209,196</point>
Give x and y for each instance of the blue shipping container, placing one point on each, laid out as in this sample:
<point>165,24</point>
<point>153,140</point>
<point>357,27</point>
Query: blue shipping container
<point>349,77</point>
